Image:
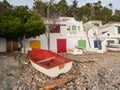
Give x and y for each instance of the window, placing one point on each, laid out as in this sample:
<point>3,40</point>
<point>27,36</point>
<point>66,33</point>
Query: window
<point>118,29</point>
<point>96,24</point>
<point>73,27</point>
<point>110,42</point>
<point>118,41</point>
<point>78,28</point>
<point>56,29</point>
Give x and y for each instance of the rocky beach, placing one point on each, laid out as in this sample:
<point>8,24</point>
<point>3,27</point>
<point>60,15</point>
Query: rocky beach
<point>90,71</point>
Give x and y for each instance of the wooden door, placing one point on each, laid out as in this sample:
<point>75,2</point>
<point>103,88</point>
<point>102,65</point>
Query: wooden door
<point>12,45</point>
<point>35,44</point>
<point>82,43</point>
<point>2,45</point>
<point>97,44</point>
<point>61,45</point>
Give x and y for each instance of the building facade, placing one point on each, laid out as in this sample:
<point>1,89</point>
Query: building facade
<point>68,34</point>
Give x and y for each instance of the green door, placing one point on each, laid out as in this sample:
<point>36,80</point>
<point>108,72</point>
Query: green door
<point>82,43</point>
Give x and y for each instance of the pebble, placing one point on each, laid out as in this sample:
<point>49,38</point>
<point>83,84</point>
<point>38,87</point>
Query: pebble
<point>92,72</point>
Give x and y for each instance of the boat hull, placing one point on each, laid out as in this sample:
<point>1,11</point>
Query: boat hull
<point>53,72</point>
<point>58,65</point>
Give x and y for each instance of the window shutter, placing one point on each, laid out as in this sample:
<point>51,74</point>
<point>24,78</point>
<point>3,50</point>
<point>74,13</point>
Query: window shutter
<point>73,27</point>
<point>78,28</point>
<point>118,29</point>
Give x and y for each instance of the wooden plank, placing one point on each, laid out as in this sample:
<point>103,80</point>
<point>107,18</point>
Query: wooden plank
<point>49,85</point>
<point>47,59</point>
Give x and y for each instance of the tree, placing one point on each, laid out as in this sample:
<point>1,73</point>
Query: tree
<point>100,13</point>
<point>40,8</point>
<point>73,8</point>
<point>19,23</point>
<point>5,6</point>
<point>117,13</point>
<point>105,15</point>
<point>62,8</point>
<point>116,16</point>
<point>84,13</point>
<point>53,10</point>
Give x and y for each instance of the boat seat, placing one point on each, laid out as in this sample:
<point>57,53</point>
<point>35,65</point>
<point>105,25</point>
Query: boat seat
<point>47,59</point>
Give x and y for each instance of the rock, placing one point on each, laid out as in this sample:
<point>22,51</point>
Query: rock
<point>71,87</point>
<point>90,71</point>
<point>15,87</point>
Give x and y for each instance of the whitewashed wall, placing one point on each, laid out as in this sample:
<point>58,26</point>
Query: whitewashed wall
<point>112,30</point>
<point>71,40</point>
<point>53,41</point>
<point>43,41</point>
<point>41,38</point>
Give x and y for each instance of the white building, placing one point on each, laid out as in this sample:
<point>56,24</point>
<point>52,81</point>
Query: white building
<point>69,34</point>
<point>65,37</point>
<point>104,36</point>
<point>110,34</point>
<point>92,29</point>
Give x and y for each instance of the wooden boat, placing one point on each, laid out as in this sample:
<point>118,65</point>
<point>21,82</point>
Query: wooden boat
<point>48,62</point>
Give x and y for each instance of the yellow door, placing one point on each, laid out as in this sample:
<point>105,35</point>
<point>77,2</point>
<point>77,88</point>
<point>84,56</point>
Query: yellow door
<point>35,44</point>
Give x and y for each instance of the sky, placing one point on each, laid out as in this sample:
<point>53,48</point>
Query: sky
<point>29,3</point>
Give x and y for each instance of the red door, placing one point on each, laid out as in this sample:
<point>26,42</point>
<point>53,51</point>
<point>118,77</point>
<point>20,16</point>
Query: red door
<point>61,45</point>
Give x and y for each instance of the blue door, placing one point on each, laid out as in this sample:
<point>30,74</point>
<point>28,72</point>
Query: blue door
<point>97,44</point>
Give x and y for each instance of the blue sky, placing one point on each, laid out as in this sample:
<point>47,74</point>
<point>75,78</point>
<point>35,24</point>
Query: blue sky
<point>115,3</point>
